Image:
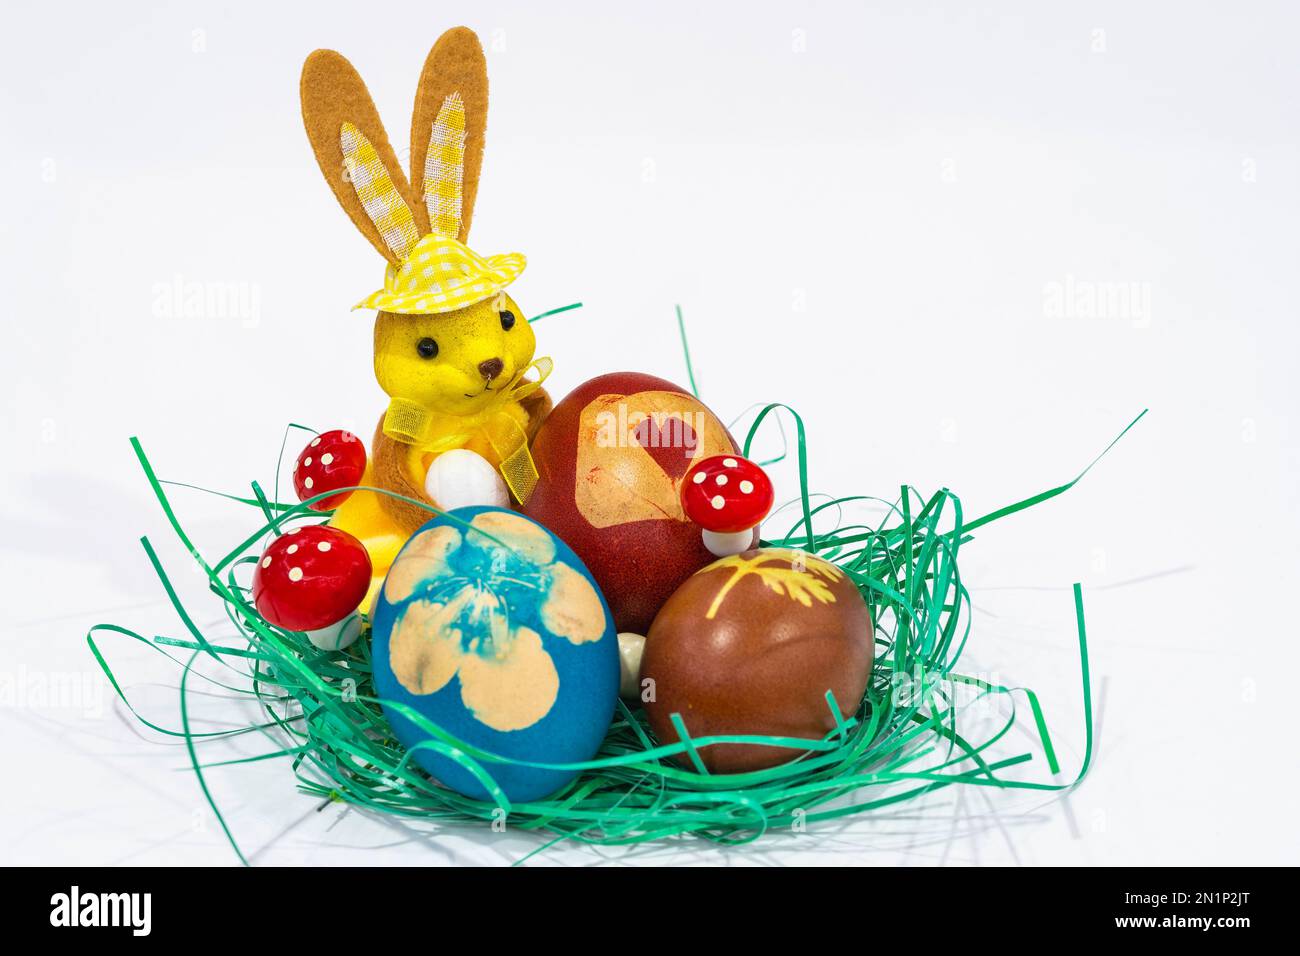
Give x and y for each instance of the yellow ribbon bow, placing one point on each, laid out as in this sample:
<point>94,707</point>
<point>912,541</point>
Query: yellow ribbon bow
<point>410,422</point>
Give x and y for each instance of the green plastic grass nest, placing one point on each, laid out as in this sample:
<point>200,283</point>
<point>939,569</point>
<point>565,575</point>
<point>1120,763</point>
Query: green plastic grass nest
<point>903,739</point>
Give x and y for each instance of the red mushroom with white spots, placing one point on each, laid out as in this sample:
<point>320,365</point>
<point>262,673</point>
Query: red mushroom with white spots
<point>728,496</point>
<point>333,459</point>
<point>313,579</point>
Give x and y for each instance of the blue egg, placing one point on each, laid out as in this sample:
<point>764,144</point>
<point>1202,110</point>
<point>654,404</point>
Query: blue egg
<point>489,626</point>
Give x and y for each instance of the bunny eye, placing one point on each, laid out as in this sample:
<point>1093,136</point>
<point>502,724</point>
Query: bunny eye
<point>427,347</point>
<point>507,319</point>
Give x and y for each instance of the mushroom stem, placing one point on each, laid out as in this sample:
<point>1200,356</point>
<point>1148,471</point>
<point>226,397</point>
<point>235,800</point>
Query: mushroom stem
<point>336,636</point>
<point>724,544</point>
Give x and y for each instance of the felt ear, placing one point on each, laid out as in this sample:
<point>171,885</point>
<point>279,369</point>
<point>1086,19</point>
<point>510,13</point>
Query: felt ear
<point>334,96</point>
<point>455,65</point>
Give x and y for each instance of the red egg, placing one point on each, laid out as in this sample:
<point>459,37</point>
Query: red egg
<point>611,458</point>
<point>310,578</point>
<point>333,459</point>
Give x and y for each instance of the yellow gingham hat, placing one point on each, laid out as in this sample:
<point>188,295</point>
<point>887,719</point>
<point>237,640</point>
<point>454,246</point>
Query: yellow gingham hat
<point>442,275</point>
<point>435,273</point>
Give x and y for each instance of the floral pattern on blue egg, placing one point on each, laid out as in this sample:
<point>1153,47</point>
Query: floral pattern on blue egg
<point>489,626</point>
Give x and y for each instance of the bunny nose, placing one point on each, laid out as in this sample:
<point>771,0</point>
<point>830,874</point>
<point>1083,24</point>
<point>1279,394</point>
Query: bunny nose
<point>491,368</point>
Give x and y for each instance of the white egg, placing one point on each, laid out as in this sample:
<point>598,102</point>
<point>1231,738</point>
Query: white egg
<point>460,478</point>
<point>630,647</point>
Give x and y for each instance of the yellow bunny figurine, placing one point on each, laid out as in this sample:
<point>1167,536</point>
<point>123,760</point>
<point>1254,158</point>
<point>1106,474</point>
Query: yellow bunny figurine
<point>452,350</point>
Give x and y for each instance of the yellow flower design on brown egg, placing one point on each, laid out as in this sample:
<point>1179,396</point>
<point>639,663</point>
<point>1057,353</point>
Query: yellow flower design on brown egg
<point>798,576</point>
<point>457,592</point>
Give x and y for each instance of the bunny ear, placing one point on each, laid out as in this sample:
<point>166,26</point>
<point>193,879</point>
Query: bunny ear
<point>447,130</point>
<point>355,156</point>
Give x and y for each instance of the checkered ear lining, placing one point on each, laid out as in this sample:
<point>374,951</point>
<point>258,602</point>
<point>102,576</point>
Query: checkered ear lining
<point>378,194</point>
<point>444,168</point>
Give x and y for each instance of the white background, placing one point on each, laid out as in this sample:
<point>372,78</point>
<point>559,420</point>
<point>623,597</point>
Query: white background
<point>864,213</point>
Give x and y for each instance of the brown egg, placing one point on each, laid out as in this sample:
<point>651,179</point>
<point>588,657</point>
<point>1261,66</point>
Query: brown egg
<point>750,645</point>
<point>610,459</point>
